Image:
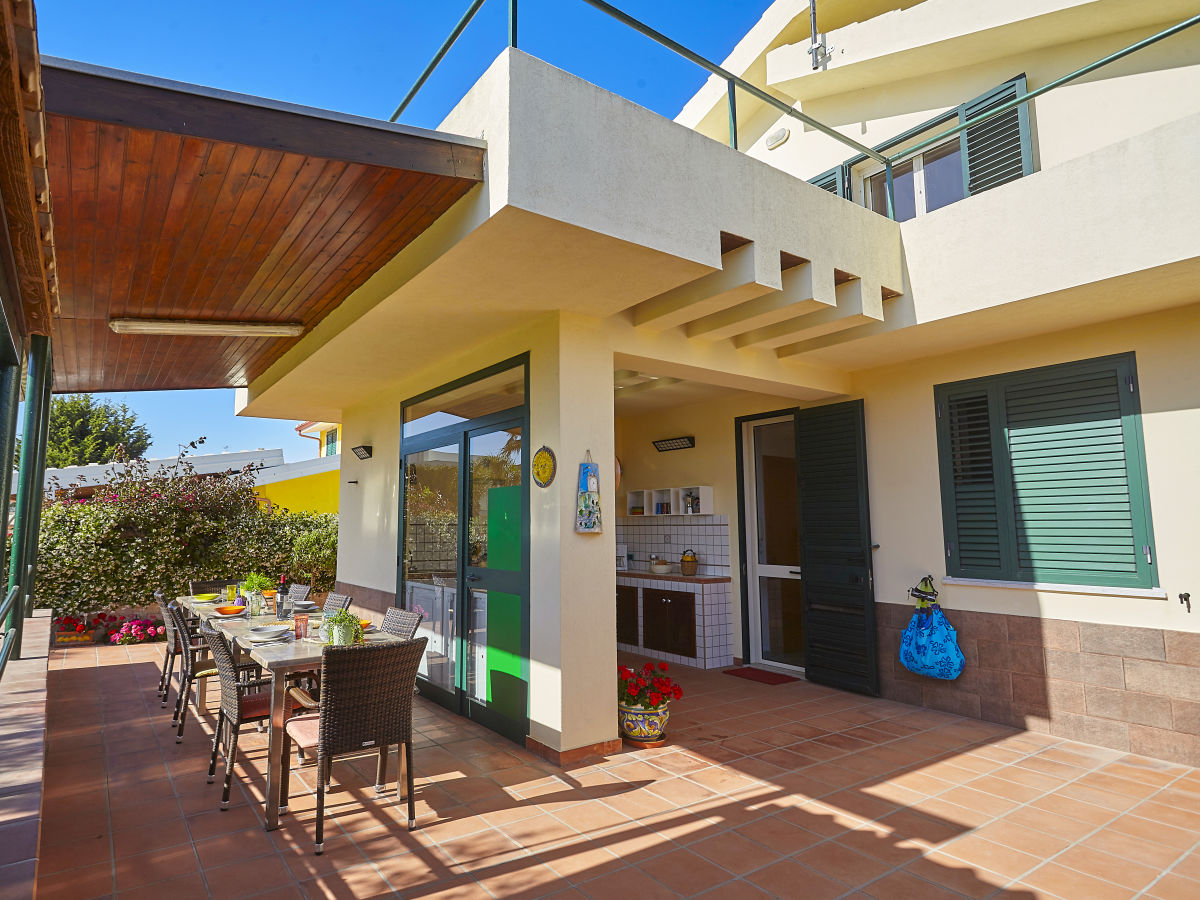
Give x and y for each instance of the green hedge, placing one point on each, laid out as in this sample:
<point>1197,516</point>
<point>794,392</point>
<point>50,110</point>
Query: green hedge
<point>142,532</point>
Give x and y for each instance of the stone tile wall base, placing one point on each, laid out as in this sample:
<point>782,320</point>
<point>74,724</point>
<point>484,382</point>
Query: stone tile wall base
<point>1130,689</point>
<point>570,757</point>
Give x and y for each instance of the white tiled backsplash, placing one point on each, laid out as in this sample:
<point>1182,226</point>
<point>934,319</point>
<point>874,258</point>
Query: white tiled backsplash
<point>669,536</point>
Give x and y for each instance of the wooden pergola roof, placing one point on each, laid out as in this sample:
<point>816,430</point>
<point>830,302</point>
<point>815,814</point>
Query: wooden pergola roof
<point>177,202</point>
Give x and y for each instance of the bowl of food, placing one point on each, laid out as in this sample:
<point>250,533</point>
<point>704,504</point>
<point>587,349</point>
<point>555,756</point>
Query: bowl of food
<point>660,568</point>
<point>205,598</point>
<point>229,610</point>
<point>269,593</point>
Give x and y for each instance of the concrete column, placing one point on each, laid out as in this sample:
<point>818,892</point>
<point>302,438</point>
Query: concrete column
<point>573,630</point>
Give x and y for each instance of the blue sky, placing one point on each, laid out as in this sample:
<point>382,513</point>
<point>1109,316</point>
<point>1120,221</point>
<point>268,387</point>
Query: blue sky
<point>361,57</point>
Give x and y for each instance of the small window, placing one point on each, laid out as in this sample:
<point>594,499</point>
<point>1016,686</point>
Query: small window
<point>1043,476</point>
<point>926,182</point>
<point>331,443</point>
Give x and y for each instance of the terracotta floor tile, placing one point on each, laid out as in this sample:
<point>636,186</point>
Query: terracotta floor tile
<point>359,882</point>
<point>684,872</point>
<point>1106,867</point>
<point>581,860</point>
<point>77,884</point>
<point>89,852</point>
<point>1075,809</point>
<point>246,877</point>
<point>224,848</point>
<point>626,883</point>
<point>979,801</point>
<point>1174,887</point>
<point>778,834</point>
<point>187,887</point>
<point>994,857</point>
<point>1155,832</point>
<point>1126,846</point>
<point>786,877</point>
<point>734,852</point>
<point>154,836</point>
<point>155,866</point>
<point>1070,884</point>
<point>848,866</point>
<point>903,886</point>
<point>1018,837</point>
<point>1041,820</point>
<point>971,881</point>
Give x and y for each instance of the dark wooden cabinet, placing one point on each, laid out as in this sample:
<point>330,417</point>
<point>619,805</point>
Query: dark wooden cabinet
<point>669,621</point>
<point>627,614</point>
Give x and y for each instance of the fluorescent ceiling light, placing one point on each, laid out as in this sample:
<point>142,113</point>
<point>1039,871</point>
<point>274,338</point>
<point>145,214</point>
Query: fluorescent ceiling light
<point>210,329</point>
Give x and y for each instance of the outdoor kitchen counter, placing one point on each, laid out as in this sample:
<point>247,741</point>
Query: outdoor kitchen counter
<point>674,576</point>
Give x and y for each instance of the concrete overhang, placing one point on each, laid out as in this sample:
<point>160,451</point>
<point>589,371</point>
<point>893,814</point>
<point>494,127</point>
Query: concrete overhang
<point>943,35</point>
<point>593,205</point>
<point>1094,239</point>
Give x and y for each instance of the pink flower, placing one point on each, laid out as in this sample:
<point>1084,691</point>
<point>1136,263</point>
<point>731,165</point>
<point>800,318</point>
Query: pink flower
<point>162,629</point>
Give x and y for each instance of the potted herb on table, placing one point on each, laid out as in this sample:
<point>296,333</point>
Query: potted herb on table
<point>343,627</point>
<point>255,585</point>
<point>643,700</point>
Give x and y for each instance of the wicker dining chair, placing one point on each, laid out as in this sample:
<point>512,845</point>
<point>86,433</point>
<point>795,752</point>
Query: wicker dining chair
<point>298,592</point>
<point>245,697</point>
<point>191,650</point>
<point>171,651</point>
<point>366,703</point>
<point>403,623</point>
<point>211,586</point>
<point>335,603</point>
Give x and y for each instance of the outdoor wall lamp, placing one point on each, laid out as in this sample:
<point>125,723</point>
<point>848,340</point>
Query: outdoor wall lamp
<point>363,451</point>
<point>675,443</point>
<point>211,329</point>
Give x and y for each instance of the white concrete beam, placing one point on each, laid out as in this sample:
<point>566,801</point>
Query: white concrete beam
<point>746,272</point>
<point>858,301</point>
<point>807,288</point>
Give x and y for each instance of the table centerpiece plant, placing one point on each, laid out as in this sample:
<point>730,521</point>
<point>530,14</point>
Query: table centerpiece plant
<point>643,699</point>
<point>343,627</point>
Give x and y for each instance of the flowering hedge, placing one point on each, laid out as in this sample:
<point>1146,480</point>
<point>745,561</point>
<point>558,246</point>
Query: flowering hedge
<point>144,531</point>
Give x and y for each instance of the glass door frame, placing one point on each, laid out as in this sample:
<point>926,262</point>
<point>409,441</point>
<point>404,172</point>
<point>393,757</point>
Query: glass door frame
<point>751,568</point>
<point>751,619</point>
<point>460,433</point>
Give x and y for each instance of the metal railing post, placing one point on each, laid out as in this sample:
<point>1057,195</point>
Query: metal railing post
<point>512,23</point>
<point>10,400</point>
<point>891,195</point>
<point>437,58</point>
<point>733,135</point>
<point>40,494</point>
<point>32,468</point>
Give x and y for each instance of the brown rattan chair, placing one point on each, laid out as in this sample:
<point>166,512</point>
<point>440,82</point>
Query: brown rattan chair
<point>211,586</point>
<point>366,703</point>
<point>172,650</point>
<point>403,623</point>
<point>335,603</point>
<point>298,592</point>
<point>245,697</point>
<point>190,653</point>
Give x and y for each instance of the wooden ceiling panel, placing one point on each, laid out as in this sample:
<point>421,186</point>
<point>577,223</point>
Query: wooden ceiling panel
<point>157,216</point>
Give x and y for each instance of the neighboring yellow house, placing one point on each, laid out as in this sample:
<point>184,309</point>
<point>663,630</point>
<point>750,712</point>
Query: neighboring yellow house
<point>310,485</point>
<point>328,436</point>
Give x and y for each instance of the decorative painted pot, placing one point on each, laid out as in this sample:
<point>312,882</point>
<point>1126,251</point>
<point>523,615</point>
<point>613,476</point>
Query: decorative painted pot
<point>341,635</point>
<point>641,724</point>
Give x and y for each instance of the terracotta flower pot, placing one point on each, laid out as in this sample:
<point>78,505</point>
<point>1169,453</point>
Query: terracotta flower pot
<point>643,725</point>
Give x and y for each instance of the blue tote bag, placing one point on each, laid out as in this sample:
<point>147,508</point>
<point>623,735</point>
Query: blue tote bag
<point>929,645</point>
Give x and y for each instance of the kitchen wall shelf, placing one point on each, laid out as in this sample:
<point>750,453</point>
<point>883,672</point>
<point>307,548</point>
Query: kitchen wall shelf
<point>670,501</point>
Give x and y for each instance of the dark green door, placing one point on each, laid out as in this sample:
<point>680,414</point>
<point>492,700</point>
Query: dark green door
<point>835,543</point>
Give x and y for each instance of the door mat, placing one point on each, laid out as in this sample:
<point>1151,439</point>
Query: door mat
<point>760,675</point>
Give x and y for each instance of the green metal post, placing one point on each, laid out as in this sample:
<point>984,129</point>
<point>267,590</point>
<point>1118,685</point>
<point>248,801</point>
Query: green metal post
<point>891,197</point>
<point>437,58</point>
<point>732,89</point>
<point>40,494</point>
<point>512,23</point>
<point>10,399</point>
<point>33,457</point>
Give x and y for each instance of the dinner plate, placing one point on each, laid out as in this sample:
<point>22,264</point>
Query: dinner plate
<point>267,638</point>
<point>221,615</point>
<point>258,631</point>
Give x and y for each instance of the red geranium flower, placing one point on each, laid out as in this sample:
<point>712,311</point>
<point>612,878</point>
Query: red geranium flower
<point>662,666</point>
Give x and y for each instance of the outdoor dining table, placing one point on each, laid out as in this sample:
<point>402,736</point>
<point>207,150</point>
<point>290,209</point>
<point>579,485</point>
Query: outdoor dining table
<point>280,659</point>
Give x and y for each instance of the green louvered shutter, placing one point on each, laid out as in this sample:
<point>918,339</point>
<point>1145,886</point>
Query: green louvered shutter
<point>998,150</point>
<point>835,181</point>
<point>1074,454</point>
<point>971,498</point>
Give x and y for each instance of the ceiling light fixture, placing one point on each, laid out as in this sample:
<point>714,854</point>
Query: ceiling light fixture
<point>206,329</point>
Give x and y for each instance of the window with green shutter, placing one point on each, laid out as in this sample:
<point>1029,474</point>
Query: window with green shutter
<point>1043,476</point>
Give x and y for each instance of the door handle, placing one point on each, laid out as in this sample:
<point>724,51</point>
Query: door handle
<point>793,571</point>
<point>472,578</point>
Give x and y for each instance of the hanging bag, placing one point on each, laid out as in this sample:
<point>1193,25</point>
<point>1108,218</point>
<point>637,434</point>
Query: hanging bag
<point>929,645</point>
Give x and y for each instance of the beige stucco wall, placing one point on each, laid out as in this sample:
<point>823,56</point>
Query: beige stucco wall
<point>902,466</point>
<point>572,579</point>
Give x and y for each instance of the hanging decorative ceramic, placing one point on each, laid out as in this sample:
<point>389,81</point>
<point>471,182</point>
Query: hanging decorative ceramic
<point>587,514</point>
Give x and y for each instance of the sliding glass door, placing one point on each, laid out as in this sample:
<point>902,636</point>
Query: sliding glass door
<point>465,546</point>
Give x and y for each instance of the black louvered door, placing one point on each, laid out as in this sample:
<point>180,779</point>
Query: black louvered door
<point>835,539</point>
